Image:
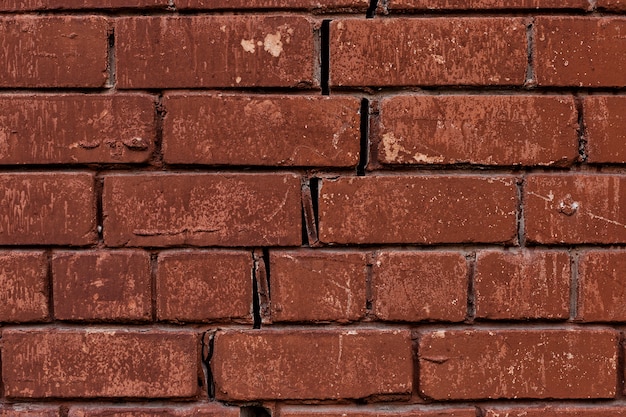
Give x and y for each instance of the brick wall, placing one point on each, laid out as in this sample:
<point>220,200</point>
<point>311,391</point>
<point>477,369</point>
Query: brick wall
<point>312,208</point>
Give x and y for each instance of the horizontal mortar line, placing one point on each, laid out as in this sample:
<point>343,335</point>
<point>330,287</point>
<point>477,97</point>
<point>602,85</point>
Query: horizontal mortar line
<point>434,90</point>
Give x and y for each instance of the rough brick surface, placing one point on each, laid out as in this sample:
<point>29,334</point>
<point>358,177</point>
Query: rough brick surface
<point>200,410</point>
<point>614,5</point>
<point>486,4</point>
<point>53,51</point>
<point>270,51</point>
<point>418,209</point>
<point>54,208</point>
<point>261,130</point>
<point>604,126</point>
<point>573,208</point>
<point>42,363</point>
<point>601,293</point>
<point>204,285</point>
<point>414,286</point>
<point>469,364</point>
<point>531,284</point>
<point>487,130</point>
<point>64,129</point>
<point>355,5</point>
<point>114,285</point>
<point>580,51</point>
<point>556,412</point>
<point>317,286</point>
<point>202,209</point>
<point>23,287</point>
<point>296,411</point>
<point>28,411</point>
<point>352,364</point>
<point>24,5</point>
<point>391,52</point>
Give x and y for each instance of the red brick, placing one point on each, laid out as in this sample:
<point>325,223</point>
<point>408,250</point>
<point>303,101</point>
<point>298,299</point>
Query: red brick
<point>24,5</point>
<point>488,130</point>
<point>355,5</point>
<point>53,208</point>
<point>601,292</point>
<point>102,285</point>
<point>202,209</point>
<point>53,51</point>
<point>351,364</point>
<point>158,52</point>
<point>45,362</point>
<point>605,122</point>
<point>614,5</point>
<point>346,411</point>
<point>486,4</point>
<point>261,130</point>
<point>556,412</point>
<point>416,286</point>
<point>204,285</point>
<point>575,208</point>
<point>318,285</point>
<point>418,209</point>
<point>388,52</point>
<point>23,287</point>
<point>580,51</point>
<point>529,284</point>
<point>525,363</point>
<point>28,410</point>
<point>200,410</point>
<point>68,128</point>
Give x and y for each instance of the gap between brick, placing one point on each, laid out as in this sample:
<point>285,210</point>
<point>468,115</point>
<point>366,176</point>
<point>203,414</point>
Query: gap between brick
<point>254,411</point>
<point>573,290</point>
<point>582,140</point>
<point>369,289</point>
<point>471,291</point>
<point>98,190</point>
<point>208,339</point>
<point>260,286</point>
<point>156,159</point>
<point>50,283</point>
<point>310,189</point>
<point>153,278</point>
<point>325,57</point>
<point>365,143</point>
<point>521,226</point>
<point>371,10</point>
<point>530,81</point>
<point>111,70</point>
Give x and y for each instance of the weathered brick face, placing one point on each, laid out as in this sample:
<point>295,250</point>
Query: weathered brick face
<point>318,208</point>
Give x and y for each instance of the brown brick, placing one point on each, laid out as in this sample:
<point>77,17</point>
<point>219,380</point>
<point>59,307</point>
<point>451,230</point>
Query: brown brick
<point>418,209</point>
<point>346,411</point>
<point>556,412</point>
<point>351,364</point>
<point>416,286</point>
<point>68,128</point>
<point>53,51</point>
<point>23,287</point>
<point>102,285</point>
<point>614,5</point>
<point>204,285</point>
<point>387,52</point>
<point>486,4</point>
<point>159,52</point>
<point>605,122</point>
<point>53,208</point>
<point>525,363</point>
<point>24,5</point>
<point>580,51</point>
<point>529,284</point>
<point>601,292</point>
<point>43,363</point>
<point>261,130</point>
<point>355,5</point>
<point>200,410</point>
<point>28,410</point>
<point>575,208</point>
<point>318,285</point>
<point>487,130</point>
<point>202,209</point>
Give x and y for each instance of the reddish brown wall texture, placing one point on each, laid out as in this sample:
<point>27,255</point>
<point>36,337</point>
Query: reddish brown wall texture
<point>312,208</point>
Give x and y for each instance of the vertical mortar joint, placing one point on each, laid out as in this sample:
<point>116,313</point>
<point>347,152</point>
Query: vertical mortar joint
<point>325,57</point>
<point>530,80</point>
<point>365,143</point>
<point>208,340</point>
<point>581,132</point>
<point>371,10</point>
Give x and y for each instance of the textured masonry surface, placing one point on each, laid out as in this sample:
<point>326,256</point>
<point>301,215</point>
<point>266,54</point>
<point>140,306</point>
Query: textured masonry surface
<point>317,208</point>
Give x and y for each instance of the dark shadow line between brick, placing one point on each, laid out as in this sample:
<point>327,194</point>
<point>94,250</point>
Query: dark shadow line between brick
<point>314,184</point>
<point>256,302</point>
<point>581,132</point>
<point>371,10</point>
<point>50,283</point>
<point>208,341</point>
<point>325,57</point>
<point>111,69</point>
<point>364,146</point>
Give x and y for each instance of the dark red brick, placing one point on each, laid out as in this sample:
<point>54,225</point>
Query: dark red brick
<point>529,284</point>
<point>28,410</point>
<point>486,4</point>
<point>346,411</point>
<point>102,285</point>
<point>580,51</point>
<point>261,130</point>
<point>86,363</point>
<point>53,51</point>
<point>204,285</point>
<point>613,5</point>
<point>68,128</point>
<point>418,209</point>
<point>160,52</point>
<point>605,122</point>
<point>388,52</point>
<point>525,363</point>
<point>318,286</point>
<point>575,208</point>
<point>351,364</point>
<point>601,292</point>
<point>23,287</point>
<point>487,130</point>
<point>557,411</point>
<point>354,5</point>
<point>47,208</point>
<point>416,286</point>
<point>200,410</point>
<point>25,5</point>
<point>202,210</point>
